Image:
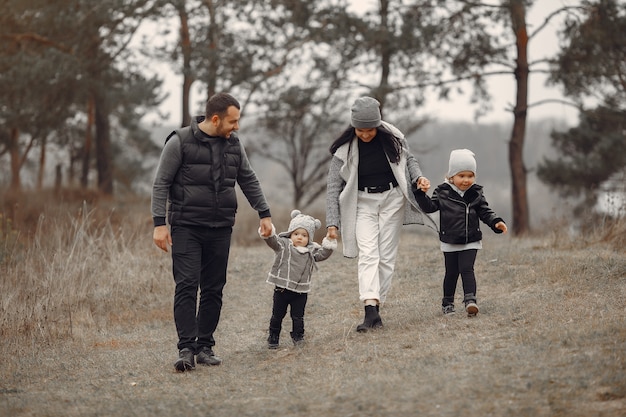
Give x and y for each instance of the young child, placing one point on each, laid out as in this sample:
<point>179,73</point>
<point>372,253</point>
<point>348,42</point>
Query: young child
<point>295,258</point>
<point>461,205</point>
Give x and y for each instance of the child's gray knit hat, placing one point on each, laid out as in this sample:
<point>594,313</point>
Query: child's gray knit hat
<point>461,160</point>
<point>304,221</point>
<point>366,113</point>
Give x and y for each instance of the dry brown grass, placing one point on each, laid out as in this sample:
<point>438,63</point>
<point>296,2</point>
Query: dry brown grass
<point>86,329</point>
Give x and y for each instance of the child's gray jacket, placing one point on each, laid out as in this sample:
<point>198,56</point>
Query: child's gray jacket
<point>293,267</point>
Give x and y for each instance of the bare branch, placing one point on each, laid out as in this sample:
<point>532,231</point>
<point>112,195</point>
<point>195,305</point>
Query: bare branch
<point>541,71</point>
<point>552,101</point>
<point>19,37</point>
<point>541,61</point>
<point>454,80</point>
<point>26,151</point>
<point>552,15</point>
<point>315,194</point>
<point>480,4</point>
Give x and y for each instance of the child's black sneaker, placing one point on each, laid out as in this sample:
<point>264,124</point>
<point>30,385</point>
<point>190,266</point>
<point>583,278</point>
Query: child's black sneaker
<point>298,339</point>
<point>272,341</point>
<point>448,309</point>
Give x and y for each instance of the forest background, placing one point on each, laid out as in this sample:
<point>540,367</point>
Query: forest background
<point>80,90</point>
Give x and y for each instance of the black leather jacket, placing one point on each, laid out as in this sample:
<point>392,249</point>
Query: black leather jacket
<point>459,217</point>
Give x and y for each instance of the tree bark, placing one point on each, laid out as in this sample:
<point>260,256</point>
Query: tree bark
<point>385,56</point>
<point>104,162</point>
<point>188,78</point>
<point>14,151</point>
<point>519,197</point>
<point>42,162</point>
<point>58,178</point>
<point>86,156</point>
<point>214,47</point>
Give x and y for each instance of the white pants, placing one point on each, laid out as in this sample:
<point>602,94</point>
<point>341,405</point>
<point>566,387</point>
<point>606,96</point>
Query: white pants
<point>379,218</point>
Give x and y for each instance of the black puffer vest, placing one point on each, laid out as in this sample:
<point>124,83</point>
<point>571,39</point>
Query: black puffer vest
<point>195,198</point>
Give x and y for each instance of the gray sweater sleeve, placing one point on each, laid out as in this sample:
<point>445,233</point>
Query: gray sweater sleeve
<point>411,163</point>
<point>334,187</point>
<point>251,187</point>
<point>169,163</point>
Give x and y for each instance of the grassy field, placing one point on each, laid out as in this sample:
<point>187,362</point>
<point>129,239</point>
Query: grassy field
<point>87,329</point>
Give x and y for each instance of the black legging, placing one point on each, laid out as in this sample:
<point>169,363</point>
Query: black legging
<point>456,263</point>
<point>282,299</point>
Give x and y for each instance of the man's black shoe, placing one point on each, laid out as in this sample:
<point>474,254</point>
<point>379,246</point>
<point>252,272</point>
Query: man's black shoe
<point>207,357</point>
<point>185,360</point>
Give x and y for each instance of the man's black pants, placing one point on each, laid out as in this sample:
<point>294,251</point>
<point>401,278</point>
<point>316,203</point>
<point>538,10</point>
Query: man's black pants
<point>199,261</point>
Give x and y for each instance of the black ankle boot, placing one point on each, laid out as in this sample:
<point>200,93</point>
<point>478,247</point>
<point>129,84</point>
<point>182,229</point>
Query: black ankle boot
<point>372,319</point>
<point>297,338</point>
<point>272,340</point>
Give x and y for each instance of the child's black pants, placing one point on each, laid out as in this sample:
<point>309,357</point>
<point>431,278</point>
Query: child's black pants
<point>461,262</point>
<point>284,298</point>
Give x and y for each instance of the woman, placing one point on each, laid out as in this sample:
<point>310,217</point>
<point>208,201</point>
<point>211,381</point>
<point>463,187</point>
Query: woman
<point>369,198</point>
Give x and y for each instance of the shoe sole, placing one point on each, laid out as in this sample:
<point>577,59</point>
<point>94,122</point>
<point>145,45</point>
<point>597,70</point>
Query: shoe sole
<point>210,363</point>
<point>364,329</point>
<point>472,309</point>
<point>183,366</point>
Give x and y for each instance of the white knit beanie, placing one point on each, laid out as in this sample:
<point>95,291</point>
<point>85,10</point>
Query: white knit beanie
<point>461,160</point>
<point>302,221</point>
<point>366,113</point>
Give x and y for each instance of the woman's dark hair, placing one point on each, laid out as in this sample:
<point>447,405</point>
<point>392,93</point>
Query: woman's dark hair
<point>391,144</point>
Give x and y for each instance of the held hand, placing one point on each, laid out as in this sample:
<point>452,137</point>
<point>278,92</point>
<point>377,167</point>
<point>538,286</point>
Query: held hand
<point>501,226</point>
<point>423,184</point>
<point>161,237</point>
<point>331,233</point>
<point>266,226</point>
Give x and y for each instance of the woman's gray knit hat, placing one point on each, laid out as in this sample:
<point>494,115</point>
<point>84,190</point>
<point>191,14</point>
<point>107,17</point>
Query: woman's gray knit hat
<point>461,160</point>
<point>366,113</point>
<point>302,221</point>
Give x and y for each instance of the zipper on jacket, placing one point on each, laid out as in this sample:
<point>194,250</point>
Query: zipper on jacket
<point>467,210</point>
<point>466,223</point>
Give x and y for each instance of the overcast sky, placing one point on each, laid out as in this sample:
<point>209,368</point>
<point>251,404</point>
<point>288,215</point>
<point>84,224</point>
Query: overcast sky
<point>501,87</point>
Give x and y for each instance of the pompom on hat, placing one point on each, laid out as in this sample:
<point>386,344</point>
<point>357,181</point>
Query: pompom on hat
<point>365,113</point>
<point>461,160</point>
<point>302,221</point>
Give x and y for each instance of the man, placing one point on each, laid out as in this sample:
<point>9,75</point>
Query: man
<point>195,183</point>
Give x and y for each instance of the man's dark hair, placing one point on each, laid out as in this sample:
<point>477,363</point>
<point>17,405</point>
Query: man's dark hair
<point>219,104</point>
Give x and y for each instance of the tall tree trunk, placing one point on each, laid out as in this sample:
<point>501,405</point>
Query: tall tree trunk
<point>385,56</point>
<point>214,47</point>
<point>519,195</point>
<point>14,151</point>
<point>58,178</point>
<point>42,162</point>
<point>104,161</point>
<point>86,156</point>
<point>188,77</point>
